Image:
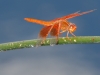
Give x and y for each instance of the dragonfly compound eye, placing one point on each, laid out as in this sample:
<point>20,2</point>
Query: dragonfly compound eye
<point>72,28</point>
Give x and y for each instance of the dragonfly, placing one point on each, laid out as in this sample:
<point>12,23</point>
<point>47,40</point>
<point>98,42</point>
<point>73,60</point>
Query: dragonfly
<point>57,26</point>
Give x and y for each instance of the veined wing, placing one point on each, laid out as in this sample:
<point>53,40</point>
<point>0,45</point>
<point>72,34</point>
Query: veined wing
<point>74,15</point>
<point>77,14</point>
<point>54,31</point>
<point>43,35</point>
<point>44,32</point>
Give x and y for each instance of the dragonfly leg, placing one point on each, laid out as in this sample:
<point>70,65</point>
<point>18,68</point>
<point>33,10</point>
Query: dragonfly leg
<point>72,34</point>
<point>67,36</point>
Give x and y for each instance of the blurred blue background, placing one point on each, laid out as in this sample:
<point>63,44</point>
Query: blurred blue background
<point>56,60</point>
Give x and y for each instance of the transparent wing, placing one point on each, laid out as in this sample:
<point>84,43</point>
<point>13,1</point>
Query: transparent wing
<point>75,14</point>
<point>44,31</point>
<point>43,35</point>
<point>41,22</point>
<point>55,31</point>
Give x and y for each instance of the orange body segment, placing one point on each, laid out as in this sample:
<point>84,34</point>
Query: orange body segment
<point>41,22</point>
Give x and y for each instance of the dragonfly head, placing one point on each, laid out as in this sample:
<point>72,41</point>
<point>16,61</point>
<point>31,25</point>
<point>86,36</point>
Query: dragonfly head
<point>72,27</point>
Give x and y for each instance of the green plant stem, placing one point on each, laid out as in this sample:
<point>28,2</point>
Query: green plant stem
<point>62,40</point>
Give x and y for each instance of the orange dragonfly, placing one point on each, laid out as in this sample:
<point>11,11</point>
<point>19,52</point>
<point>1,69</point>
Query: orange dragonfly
<point>57,26</point>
